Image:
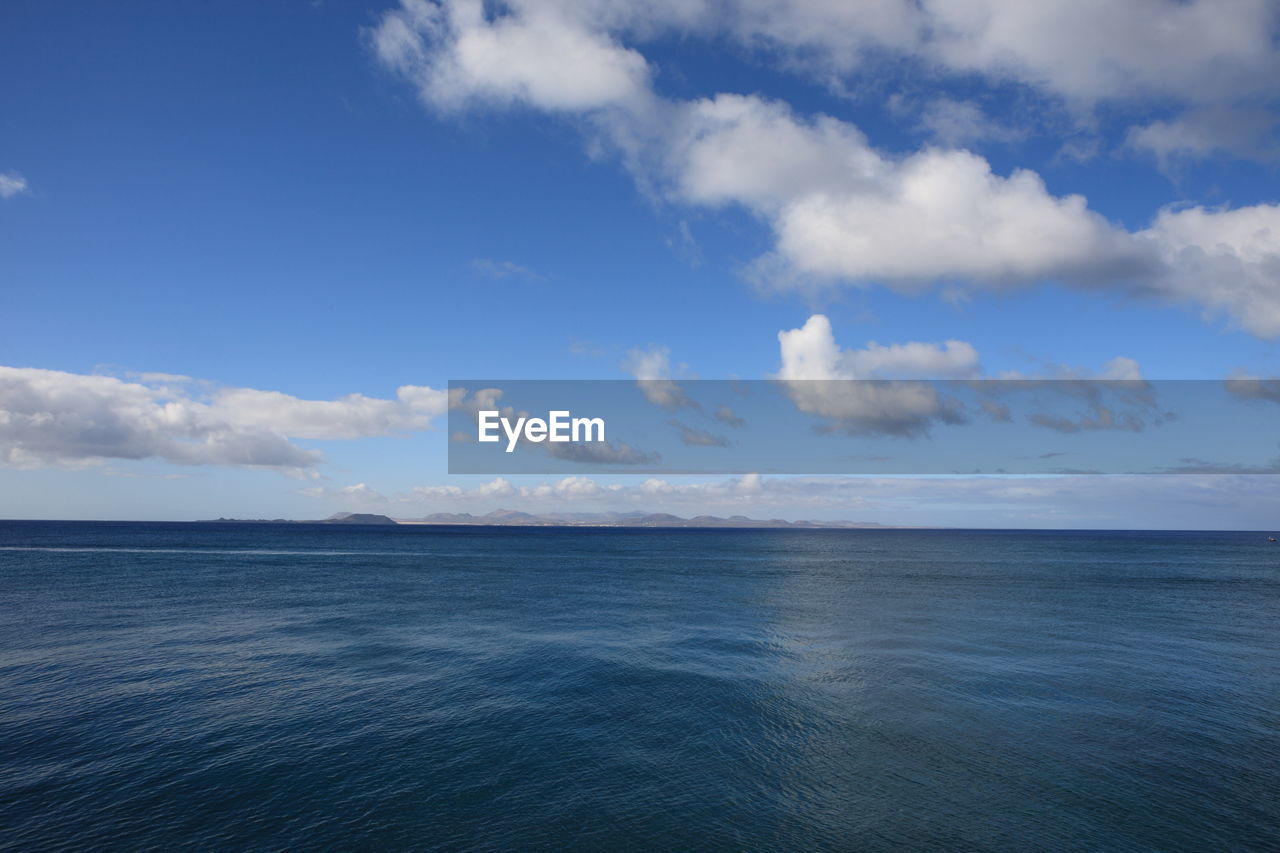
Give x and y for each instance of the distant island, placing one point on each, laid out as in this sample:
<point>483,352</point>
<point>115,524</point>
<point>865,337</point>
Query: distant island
<point>514,518</point>
<point>337,518</point>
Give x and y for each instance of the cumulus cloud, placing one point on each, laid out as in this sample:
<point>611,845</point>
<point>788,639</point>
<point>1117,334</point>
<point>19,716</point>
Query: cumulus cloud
<point>841,211</point>
<point>815,374</point>
<point>942,215</point>
<point>49,417</point>
<point>1227,261</point>
<point>569,487</point>
<point>815,371</point>
<point>11,184</point>
<point>473,402</point>
<point>811,352</point>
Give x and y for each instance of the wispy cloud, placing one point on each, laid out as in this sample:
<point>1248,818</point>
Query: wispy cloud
<point>729,417</point>
<point>602,453</point>
<point>503,269</point>
<point>652,369</point>
<point>693,437</point>
<point>11,184</point>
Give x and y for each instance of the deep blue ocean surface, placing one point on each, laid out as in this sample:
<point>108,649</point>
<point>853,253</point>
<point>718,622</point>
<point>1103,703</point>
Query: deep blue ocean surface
<point>271,687</point>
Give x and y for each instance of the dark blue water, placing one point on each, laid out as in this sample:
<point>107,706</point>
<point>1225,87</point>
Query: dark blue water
<point>276,687</point>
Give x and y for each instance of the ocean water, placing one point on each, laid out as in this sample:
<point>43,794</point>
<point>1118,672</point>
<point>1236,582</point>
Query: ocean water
<point>307,687</point>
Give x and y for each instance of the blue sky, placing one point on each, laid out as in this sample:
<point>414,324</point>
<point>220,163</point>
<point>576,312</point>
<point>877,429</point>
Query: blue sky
<point>318,200</point>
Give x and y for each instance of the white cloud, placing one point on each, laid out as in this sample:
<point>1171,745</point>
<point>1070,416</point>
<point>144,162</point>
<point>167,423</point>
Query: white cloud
<point>569,487</point>
<point>472,402</point>
<point>651,363</point>
<point>741,149</point>
<point>814,367</point>
<point>1095,50</point>
<point>1083,52</point>
<point>11,184</point>
<point>1247,132</point>
<point>1121,368</point>
<point>942,215</point>
<point>1118,369</point>
<point>500,488</point>
<point>496,488</point>
<point>50,417</point>
<point>538,54</point>
<point>353,416</point>
<point>811,352</point>
<point>842,212</point>
<point>652,369</point>
<point>1227,261</point>
<point>359,494</point>
<point>957,123</point>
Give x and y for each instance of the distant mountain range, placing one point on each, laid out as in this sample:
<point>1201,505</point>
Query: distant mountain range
<point>514,518</point>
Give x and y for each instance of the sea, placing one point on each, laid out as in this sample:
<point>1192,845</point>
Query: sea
<point>199,686</point>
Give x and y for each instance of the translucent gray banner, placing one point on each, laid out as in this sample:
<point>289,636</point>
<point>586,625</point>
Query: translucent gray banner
<point>986,426</point>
